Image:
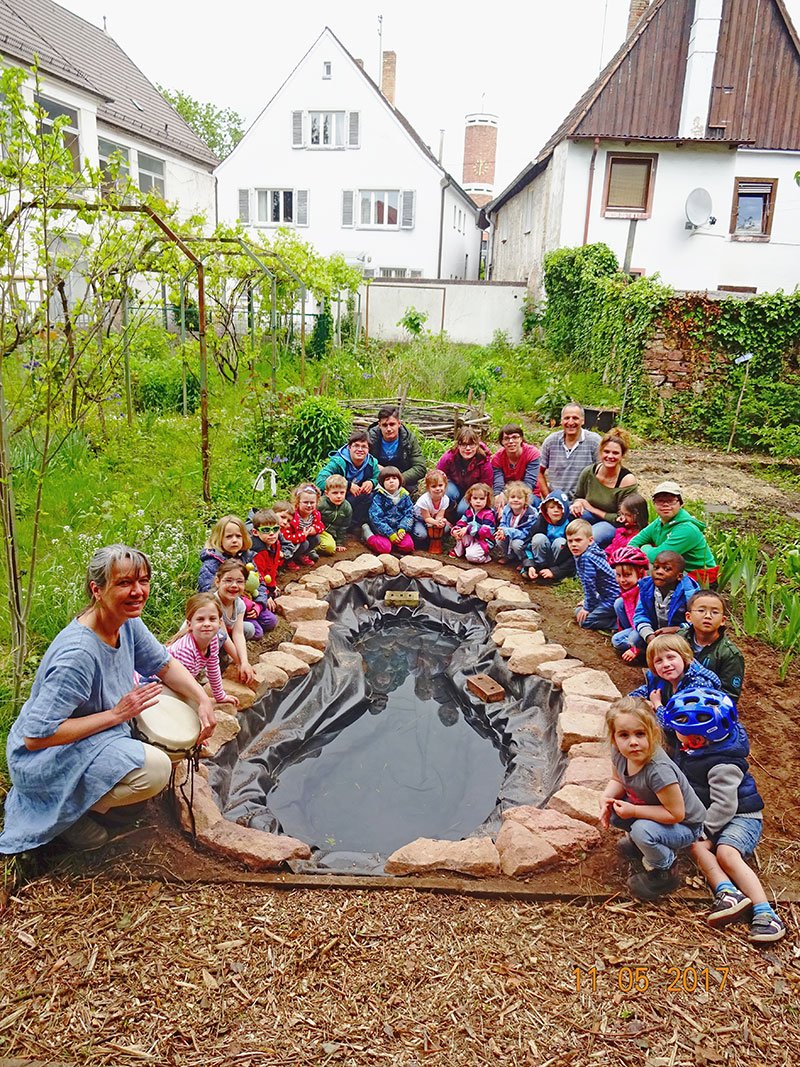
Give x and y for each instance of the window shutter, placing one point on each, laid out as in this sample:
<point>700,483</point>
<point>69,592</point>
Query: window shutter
<point>244,206</point>
<point>348,198</point>
<point>354,129</point>
<point>407,209</point>
<point>297,129</point>
<point>302,207</point>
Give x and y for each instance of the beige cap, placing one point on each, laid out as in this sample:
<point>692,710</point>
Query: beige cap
<point>668,487</point>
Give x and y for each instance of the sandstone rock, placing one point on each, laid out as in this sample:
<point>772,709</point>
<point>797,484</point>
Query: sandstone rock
<point>584,705</point>
<point>502,604</point>
<point>476,856</point>
<point>295,589</point>
<point>448,575</point>
<point>500,633</point>
<point>391,564</point>
<point>574,727</point>
<point>296,608</point>
<point>528,618</point>
<point>363,566</point>
<point>502,623</point>
<point>226,729</point>
<point>334,578</point>
<point>488,588</point>
<point>314,633</point>
<point>255,849</point>
<point>292,665</point>
<point>304,652</point>
<point>469,578</point>
<point>317,585</point>
<point>569,837</point>
<point>522,851</point>
<point>592,749</point>
<point>522,641</point>
<point>526,660</point>
<point>246,695</point>
<point>269,675</point>
<point>593,684</point>
<point>419,566</point>
<point>204,807</point>
<point>590,772</point>
<point>577,802</point>
<point>557,670</point>
<point>512,596</point>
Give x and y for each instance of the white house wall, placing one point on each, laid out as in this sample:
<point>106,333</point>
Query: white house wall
<point>387,158</point>
<point>472,311</point>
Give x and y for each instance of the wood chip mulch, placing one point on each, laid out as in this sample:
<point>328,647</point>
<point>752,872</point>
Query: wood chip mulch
<point>102,971</point>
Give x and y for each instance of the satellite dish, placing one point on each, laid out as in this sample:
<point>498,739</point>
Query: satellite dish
<point>698,209</point>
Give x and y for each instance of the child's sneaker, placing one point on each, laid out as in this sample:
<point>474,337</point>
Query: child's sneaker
<point>766,927</point>
<point>291,565</point>
<point>453,554</point>
<point>728,906</point>
<point>650,885</point>
<point>309,560</point>
<point>628,849</point>
<point>313,556</point>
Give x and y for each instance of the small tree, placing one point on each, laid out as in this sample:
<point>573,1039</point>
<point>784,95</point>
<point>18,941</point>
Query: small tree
<point>221,128</point>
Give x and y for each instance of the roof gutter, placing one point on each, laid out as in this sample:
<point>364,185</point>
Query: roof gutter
<point>589,191</point>
<point>445,183</point>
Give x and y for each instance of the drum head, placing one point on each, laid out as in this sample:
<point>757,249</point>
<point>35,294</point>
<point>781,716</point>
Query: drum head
<point>171,724</point>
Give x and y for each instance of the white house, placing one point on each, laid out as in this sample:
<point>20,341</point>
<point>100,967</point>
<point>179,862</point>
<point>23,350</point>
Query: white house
<point>703,95</point>
<point>111,106</point>
<point>332,157</point>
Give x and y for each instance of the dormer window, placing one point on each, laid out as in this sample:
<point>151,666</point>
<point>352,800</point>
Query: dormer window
<point>326,69</point>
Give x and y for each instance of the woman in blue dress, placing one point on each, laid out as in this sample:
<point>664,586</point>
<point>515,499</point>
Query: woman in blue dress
<point>71,751</point>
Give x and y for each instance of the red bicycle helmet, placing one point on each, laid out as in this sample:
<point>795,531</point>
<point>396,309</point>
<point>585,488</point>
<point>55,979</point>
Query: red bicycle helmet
<point>630,555</point>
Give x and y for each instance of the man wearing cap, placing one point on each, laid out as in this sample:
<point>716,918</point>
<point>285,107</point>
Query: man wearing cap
<point>566,452</point>
<point>678,531</point>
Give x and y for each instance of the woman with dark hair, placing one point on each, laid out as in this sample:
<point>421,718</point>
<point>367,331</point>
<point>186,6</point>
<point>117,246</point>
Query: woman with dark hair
<point>602,487</point>
<point>71,751</point>
<point>514,461</point>
<point>466,463</point>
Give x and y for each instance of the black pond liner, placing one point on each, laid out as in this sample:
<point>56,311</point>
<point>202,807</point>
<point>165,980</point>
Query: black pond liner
<point>382,742</point>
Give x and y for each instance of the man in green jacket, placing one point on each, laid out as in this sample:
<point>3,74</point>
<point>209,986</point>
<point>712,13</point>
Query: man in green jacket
<point>394,445</point>
<point>713,649</point>
<point>678,531</point>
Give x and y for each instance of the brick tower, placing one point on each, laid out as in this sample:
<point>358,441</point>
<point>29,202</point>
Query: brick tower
<point>480,150</point>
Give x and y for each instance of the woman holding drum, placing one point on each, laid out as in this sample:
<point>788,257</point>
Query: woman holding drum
<point>71,751</point>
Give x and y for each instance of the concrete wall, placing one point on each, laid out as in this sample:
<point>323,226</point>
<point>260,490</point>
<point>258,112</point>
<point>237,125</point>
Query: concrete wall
<point>387,157</point>
<point>472,310</point>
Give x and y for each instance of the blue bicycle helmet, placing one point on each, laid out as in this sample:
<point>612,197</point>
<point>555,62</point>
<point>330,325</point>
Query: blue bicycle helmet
<point>705,712</point>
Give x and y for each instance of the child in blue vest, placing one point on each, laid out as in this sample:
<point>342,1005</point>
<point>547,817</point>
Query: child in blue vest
<point>663,596</point>
<point>713,756</point>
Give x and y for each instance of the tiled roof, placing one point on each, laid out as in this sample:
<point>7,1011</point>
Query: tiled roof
<point>74,51</point>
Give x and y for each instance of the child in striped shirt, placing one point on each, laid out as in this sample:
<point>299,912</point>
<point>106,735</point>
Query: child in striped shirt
<point>198,648</point>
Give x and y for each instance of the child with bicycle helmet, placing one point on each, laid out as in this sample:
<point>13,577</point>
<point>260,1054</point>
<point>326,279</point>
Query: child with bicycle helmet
<point>630,566</point>
<point>713,756</point>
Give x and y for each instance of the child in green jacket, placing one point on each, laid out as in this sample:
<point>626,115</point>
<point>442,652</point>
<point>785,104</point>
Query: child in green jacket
<point>337,514</point>
<point>678,531</point>
<point>713,649</point>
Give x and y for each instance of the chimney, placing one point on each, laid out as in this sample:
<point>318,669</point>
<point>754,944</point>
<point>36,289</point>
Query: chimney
<point>638,8</point>
<point>701,59</point>
<point>389,75</point>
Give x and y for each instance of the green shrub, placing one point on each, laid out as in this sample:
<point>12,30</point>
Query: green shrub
<point>321,340</point>
<point>317,427</point>
<point>413,321</point>
<point>158,386</point>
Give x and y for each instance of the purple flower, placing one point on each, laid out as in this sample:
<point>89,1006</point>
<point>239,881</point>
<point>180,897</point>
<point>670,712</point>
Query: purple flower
<point>32,365</point>
<point>365,375</point>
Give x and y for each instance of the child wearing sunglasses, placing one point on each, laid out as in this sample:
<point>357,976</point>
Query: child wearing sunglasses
<point>267,554</point>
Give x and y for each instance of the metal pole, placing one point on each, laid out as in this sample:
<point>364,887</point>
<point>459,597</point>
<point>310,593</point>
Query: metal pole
<point>303,334</point>
<point>126,356</point>
<point>738,406</point>
<point>183,347</point>
<point>274,301</point>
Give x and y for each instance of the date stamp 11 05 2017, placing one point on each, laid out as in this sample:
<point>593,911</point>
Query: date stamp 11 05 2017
<point>640,979</point>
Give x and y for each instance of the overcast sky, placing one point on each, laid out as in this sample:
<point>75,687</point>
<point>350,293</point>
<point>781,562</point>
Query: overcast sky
<point>526,61</point>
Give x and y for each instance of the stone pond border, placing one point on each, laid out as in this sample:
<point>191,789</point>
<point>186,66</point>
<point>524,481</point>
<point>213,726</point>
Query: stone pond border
<point>530,838</point>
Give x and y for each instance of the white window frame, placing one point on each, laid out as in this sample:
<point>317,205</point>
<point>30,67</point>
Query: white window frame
<point>298,208</point>
<point>327,69</point>
<point>376,197</point>
<point>148,176</point>
<point>70,133</point>
<point>346,127</point>
<point>337,121</point>
<point>105,156</point>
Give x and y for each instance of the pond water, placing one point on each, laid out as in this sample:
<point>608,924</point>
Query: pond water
<point>413,760</point>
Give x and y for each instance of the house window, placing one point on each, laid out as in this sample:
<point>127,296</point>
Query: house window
<point>628,192</point>
<point>52,110</point>
<point>326,68</point>
<point>275,207</point>
<point>394,272</point>
<point>378,207</point>
<point>151,175</point>
<point>753,205</point>
<point>327,129</point>
<point>113,158</point>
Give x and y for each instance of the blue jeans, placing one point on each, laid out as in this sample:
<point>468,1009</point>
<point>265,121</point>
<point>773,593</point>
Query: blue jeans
<point>454,496</point>
<point>627,636</point>
<point>602,531</point>
<point>514,551</point>
<point>658,841</point>
<point>545,552</point>
<point>600,618</point>
<point>360,505</point>
<point>419,531</point>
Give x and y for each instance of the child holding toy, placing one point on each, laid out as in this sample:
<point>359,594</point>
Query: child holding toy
<point>474,532</point>
<point>648,797</point>
<point>267,554</point>
<point>430,524</point>
<point>516,523</point>
<point>713,756</point>
<point>391,514</point>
